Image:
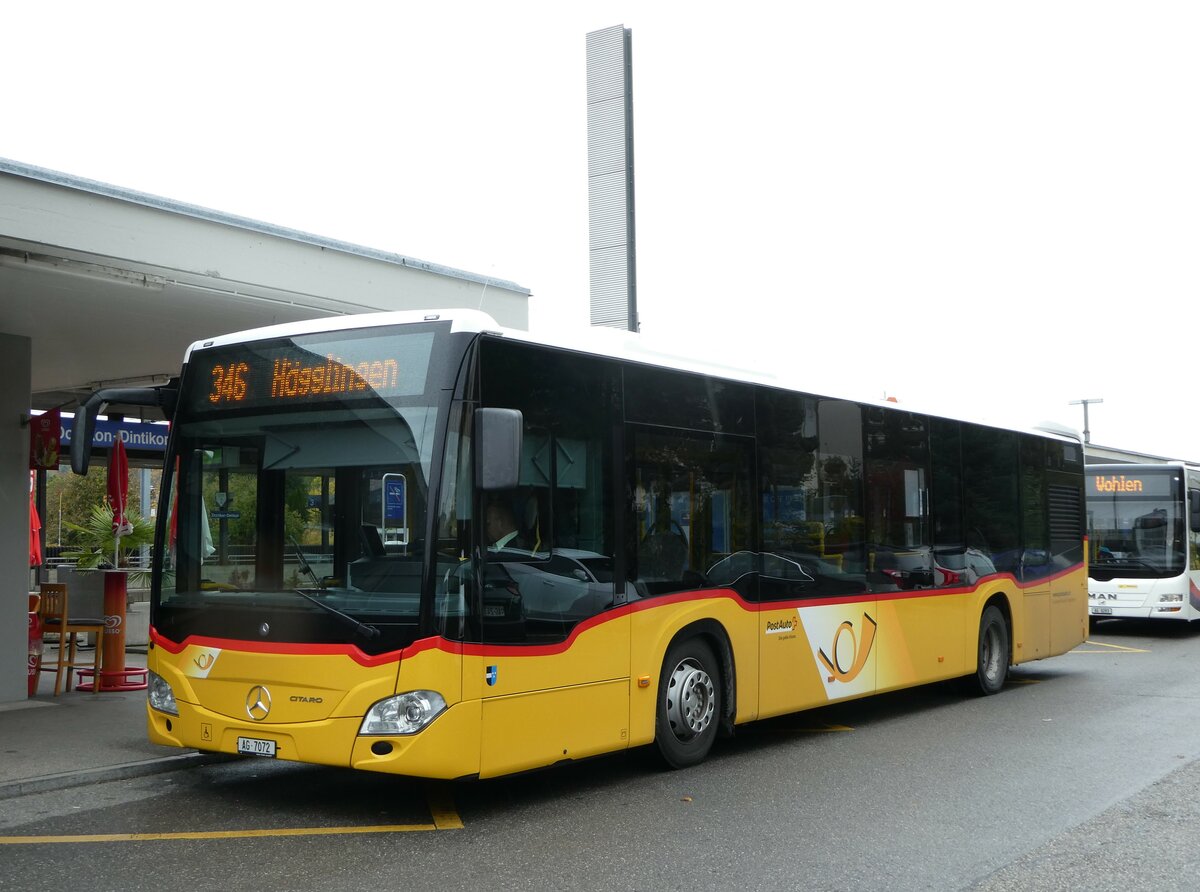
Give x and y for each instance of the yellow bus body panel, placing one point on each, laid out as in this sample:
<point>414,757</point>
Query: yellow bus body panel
<point>315,702</point>
<point>517,707</point>
<point>657,621</point>
<point>547,703</point>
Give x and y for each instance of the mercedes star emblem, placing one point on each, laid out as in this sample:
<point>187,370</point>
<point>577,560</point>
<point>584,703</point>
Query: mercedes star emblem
<point>258,703</point>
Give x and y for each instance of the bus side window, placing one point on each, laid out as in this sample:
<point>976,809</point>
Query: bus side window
<point>692,509</point>
<point>549,543</point>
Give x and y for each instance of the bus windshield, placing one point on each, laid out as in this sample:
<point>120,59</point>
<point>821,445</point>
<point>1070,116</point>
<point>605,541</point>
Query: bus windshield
<point>1136,524</point>
<point>297,509</point>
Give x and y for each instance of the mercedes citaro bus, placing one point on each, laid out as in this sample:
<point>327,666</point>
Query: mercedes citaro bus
<point>420,544</point>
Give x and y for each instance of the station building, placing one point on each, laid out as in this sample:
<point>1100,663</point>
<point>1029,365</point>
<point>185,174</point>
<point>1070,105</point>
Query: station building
<point>106,287</point>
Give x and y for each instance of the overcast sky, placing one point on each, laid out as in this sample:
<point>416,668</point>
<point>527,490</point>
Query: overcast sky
<point>988,210</point>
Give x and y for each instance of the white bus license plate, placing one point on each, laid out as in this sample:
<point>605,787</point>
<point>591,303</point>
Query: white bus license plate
<point>254,746</point>
<point>1101,611</point>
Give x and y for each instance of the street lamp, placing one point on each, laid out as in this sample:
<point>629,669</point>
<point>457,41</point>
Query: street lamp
<point>1087,434</point>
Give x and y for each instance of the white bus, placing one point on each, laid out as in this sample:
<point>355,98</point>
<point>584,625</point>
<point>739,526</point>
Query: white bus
<point>1143,544</point>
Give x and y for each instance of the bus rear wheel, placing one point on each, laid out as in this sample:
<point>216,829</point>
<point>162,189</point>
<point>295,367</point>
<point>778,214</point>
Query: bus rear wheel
<point>689,704</point>
<point>992,669</point>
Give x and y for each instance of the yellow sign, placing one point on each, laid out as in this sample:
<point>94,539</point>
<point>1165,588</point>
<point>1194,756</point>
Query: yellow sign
<point>290,379</point>
<point>1117,483</point>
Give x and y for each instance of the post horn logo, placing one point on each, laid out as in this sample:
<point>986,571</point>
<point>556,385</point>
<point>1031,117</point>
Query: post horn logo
<point>258,703</point>
<point>859,650</point>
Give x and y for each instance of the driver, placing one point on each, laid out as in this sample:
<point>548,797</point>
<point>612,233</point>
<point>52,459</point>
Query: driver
<point>502,527</point>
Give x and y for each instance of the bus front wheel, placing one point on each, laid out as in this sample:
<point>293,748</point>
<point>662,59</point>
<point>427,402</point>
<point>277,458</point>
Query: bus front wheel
<point>689,703</point>
<point>992,669</point>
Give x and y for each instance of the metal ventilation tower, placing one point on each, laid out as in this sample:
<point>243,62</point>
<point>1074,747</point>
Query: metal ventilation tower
<point>610,178</point>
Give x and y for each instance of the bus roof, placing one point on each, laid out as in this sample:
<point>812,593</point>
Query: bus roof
<point>1142,467</point>
<point>597,341</point>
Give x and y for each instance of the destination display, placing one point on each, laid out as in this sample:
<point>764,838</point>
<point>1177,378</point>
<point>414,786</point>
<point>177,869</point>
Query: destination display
<point>1135,485</point>
<point>309,370</point>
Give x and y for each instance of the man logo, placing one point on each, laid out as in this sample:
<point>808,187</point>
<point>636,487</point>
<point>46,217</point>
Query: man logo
<point>859,651</point>
<point>258,703</point>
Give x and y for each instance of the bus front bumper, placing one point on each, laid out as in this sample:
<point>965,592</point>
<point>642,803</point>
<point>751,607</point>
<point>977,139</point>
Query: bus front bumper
<point>446,750</point>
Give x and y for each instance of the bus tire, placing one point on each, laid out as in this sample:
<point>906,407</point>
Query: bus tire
<point>991,671</point>
<point>689,703</point>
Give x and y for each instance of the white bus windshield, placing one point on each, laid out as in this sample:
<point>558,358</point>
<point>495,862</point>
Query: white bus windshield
<point>1136,524</point>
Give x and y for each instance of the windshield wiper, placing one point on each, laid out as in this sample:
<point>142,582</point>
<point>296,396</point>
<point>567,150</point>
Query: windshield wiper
<point>367,631</point>
<point>1131,562</point>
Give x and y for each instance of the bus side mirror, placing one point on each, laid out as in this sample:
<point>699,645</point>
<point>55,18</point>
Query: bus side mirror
<point>497,448</point>
<point>1194,509</point>
<point>85,417</point>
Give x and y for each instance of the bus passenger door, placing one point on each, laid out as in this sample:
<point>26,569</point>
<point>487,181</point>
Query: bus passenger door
<point>553,670</point>
<point>553,673</point>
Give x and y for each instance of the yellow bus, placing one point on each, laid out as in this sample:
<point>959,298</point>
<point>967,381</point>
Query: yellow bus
<point>420,544</point>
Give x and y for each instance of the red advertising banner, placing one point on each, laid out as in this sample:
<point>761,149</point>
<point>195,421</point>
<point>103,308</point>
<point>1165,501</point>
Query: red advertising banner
<point>44,433</point>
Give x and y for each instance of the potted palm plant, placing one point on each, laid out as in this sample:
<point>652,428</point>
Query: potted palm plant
<point>96,548</point>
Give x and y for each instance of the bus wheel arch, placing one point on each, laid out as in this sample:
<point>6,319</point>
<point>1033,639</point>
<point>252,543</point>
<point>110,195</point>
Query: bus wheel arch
<point>695,698</point>
<point>993,655</point>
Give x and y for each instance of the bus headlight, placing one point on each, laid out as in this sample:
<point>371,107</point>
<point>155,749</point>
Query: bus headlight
<point>1170,597</point>
<point>403,714</point>
<point>160,694</point>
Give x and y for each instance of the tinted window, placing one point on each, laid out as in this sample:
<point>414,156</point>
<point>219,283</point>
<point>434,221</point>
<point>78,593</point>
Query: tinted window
<point>990,495</point>
<point>898,528</point>
<point>1035,533</point>
<point>955,564</point>
<point>696,402</point>
<point>810,465</point>
<point>693,511</point>
<point>550,543</point>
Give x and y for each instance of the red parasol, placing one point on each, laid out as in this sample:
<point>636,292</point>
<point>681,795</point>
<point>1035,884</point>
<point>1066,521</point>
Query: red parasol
<point>35,529</point>
<point>118,489</point>
<point>114,676</point>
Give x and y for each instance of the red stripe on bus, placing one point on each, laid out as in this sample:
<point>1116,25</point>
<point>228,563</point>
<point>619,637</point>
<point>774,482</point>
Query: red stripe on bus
<point>275,647</point>
<point>653,603</point>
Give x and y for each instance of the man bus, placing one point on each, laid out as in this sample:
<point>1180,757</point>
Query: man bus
<point>698,550</point>
<point>1143,523</point>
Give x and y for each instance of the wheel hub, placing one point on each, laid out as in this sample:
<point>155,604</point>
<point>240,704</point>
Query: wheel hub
<point>691,700</point>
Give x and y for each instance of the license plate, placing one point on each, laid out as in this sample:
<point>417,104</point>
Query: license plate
<point>254,746</point>
<point>1101,611</point>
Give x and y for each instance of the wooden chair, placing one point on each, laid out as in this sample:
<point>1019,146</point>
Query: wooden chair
<point>57,621</point>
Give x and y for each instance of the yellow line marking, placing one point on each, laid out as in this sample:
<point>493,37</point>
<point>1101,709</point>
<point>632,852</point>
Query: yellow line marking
<point>1117,647</point>
<point>824,729</point>
<point>441,808</point>
<point>215,834</point>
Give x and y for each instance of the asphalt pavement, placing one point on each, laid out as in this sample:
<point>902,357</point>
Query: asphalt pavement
<point>78,737</point>
<point>1144,840</point>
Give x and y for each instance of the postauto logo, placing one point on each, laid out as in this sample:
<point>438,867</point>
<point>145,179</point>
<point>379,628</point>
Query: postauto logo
<point>848,669</point>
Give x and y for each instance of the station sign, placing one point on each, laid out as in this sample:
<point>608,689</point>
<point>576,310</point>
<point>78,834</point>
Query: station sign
<point>138,436</point>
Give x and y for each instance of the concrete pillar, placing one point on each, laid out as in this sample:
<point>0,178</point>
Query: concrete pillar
<point>15,353</point>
